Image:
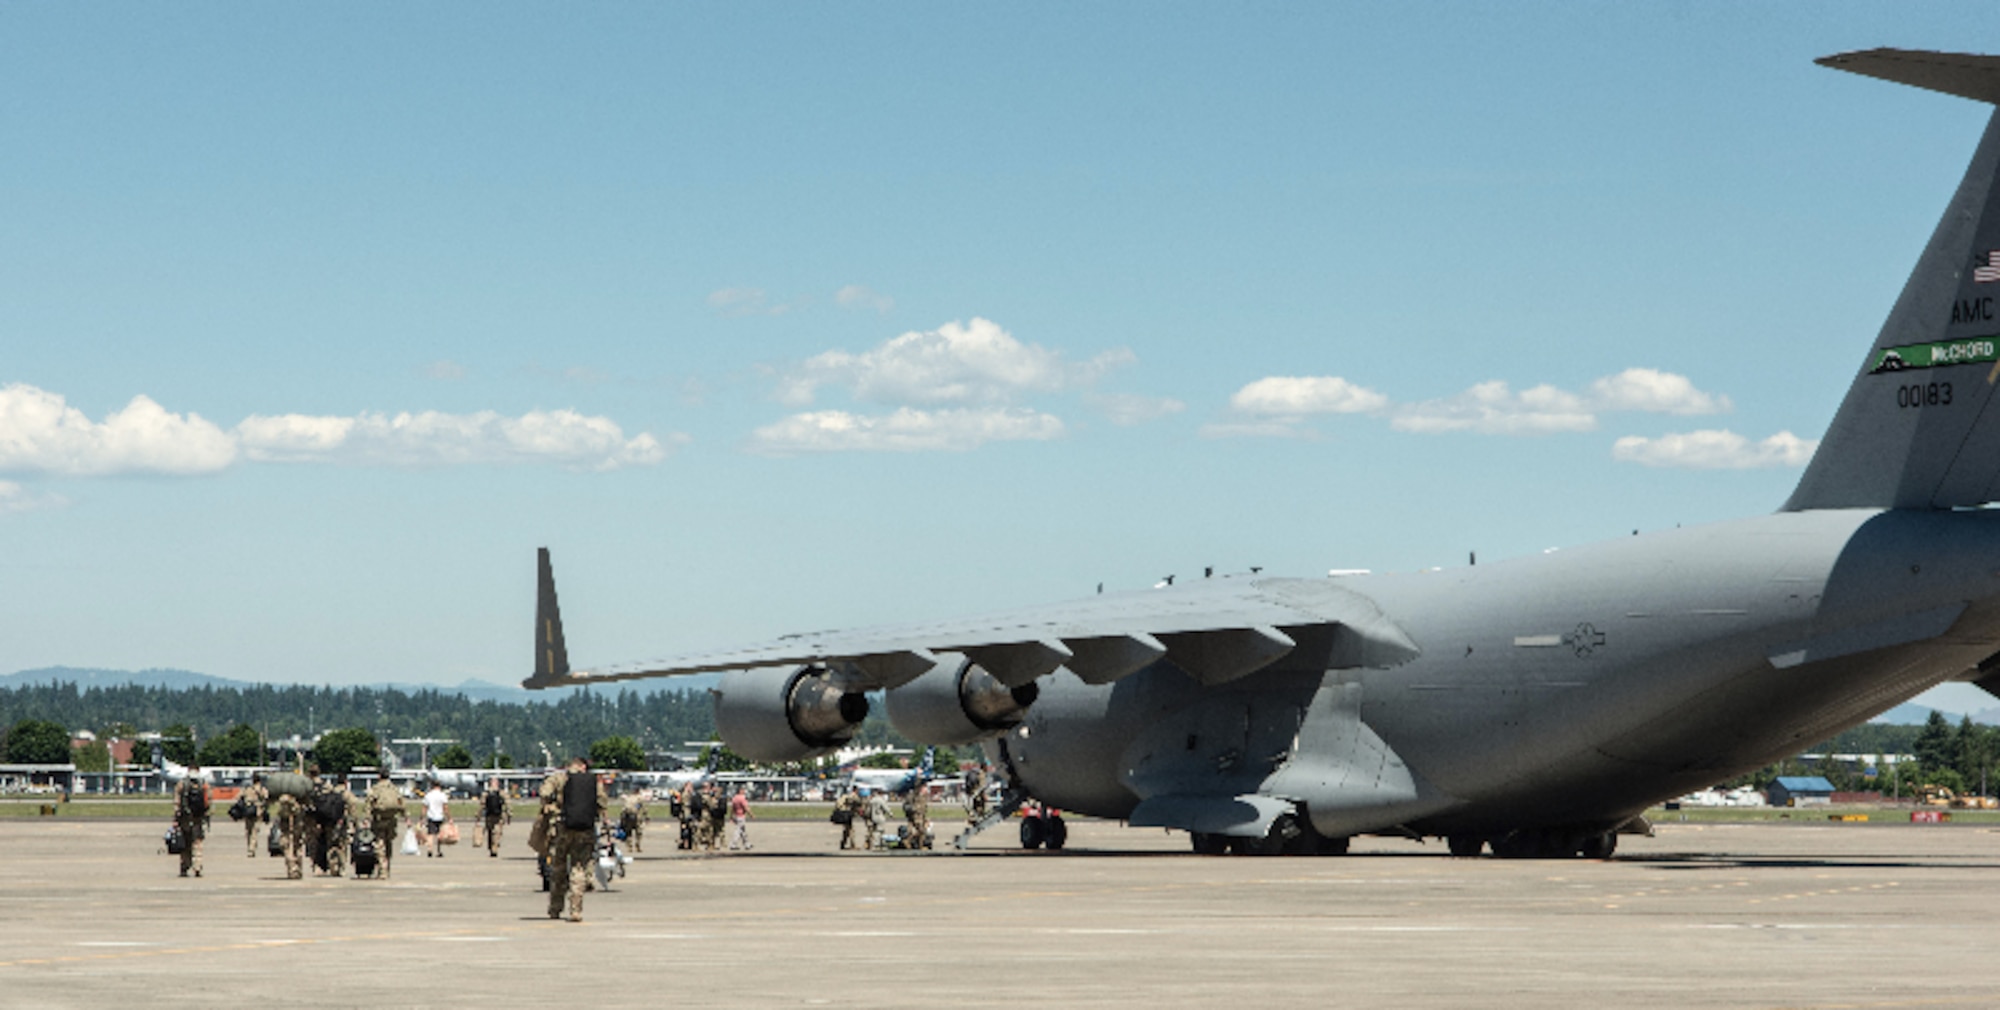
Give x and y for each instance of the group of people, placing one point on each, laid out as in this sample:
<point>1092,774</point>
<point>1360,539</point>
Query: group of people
<point>865,811</point>
<point>708,817</point>
<point>318,820</point>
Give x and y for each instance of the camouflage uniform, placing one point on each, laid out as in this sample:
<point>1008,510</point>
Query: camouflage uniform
<point>632,817</point>
<point>191,819</point>
<point>256,796</point>
<point>975,794</point>
<point>718,818</point>
<point>849,801</point>
<point>570,850</point>
<point>490,822</point>
<point>385,810</point>
<point>917,810</point>
<point>328,839</point>
<point>876,812</point>
<point>291,820</point>
<point>697,808</point>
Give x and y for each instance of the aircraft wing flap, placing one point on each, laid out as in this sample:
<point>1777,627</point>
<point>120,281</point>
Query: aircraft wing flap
<point>1226,628</point>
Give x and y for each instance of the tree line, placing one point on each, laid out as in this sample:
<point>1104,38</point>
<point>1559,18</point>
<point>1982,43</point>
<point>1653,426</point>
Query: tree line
<point>226,725</point>
<point>229,725</point>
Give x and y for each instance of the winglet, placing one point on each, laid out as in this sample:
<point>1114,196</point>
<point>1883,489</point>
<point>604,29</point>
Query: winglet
<point>1967,75</point>
<point>551,657</point>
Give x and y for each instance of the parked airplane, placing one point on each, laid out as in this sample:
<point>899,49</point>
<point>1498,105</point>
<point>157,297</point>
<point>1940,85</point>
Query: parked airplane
<point>1537,705</point>
<point>172,772</point>
<point>892,780</point>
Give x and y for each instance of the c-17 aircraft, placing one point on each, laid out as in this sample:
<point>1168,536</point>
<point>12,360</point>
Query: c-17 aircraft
<point>1537,706</point>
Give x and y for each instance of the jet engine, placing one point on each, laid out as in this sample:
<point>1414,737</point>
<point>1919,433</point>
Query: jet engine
<point>958,703</point>
<point>775,714</point>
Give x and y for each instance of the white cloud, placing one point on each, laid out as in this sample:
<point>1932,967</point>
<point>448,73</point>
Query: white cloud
<point>905,430</point>
<point>1296,396</point>
<point>1277,405</point>
<point>431,438</point>
<point>1714,450</point>
<point>1653,391</point>
<point>746,302</point>
<point>15,499</point>
<point>1128,409</point>
<point>443,370</point>
<point>41,433</point>
<point>972,363</point>
<point>856,296</point>
<point>1491,408</point>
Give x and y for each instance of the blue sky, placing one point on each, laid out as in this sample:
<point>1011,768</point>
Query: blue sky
<point>776,317</point>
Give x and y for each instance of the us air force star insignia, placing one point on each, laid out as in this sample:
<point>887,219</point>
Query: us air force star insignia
<point>1585,638</point>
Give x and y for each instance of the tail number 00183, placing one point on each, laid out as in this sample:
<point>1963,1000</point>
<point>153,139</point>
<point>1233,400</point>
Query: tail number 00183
<point>1936,394</point>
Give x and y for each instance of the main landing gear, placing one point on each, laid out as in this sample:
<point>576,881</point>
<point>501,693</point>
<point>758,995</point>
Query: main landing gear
<point>1289,835</point>
<point>1538,843</point>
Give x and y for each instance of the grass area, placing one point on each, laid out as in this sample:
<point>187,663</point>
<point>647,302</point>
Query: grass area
<point>1809,815</point>
<point>464,811</point>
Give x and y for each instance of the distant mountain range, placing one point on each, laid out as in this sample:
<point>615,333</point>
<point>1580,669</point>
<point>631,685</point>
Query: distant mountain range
<point>181,680</point>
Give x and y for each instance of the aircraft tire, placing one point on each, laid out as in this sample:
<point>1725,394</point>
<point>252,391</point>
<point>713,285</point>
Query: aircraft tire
<point>1206,844</point>
<point>1332,846</point>
<point>1033,833</point>
<point>1055,834</point>
<point>1599,846</point>
<point>1465,846</point>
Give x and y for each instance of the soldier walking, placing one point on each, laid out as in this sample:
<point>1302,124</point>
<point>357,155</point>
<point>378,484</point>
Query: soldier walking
<point>191,818</point>
<point>849,802</point>
<point>573,802</point>
<point>917,810</point>
<point>717,809</point>
<point>875,811</point>
<point>975,793</point>
<point>493,815</point>
<point>290,819</point>
<point>385,814</point>
<point>697,811</point>
<point>255,797</point>
<point>632,816</point>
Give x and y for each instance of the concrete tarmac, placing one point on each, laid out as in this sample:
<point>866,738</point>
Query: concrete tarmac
<point>1791,915</point>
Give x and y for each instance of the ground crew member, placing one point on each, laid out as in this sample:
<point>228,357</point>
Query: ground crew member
<point>256,796</point>
<point>975,793</point>
<point>291,821</point>
<point>385,812</point>
<point>632,817</point>
<point>494,814</point>
<point>697,806</point>
<point>191,818</point>
<point>917,810</point>
<point>573,802</point>
<point>739,821</point>
<point>717,808</point>
<point>684,810</point>
<point>875,810</point>
<point>849,801</point>
<point>326,816</point>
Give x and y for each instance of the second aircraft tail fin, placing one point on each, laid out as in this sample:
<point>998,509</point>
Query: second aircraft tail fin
<point>1919,427</point>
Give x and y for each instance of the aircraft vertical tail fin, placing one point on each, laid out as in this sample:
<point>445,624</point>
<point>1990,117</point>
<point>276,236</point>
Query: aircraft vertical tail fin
<point>1919,427</point>
<point>551,656</point>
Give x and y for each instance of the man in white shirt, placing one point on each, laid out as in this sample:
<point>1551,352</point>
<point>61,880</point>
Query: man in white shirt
<point>434,817</point>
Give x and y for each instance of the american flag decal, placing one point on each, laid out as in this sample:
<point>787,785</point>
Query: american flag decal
<point>1986,269</point>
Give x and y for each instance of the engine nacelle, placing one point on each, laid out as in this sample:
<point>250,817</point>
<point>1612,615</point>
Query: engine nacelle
<point>957,702</point>
<point>775,714</point>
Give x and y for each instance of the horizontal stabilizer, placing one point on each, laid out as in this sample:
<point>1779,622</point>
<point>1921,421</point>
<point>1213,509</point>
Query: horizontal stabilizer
<point>1963,74</point>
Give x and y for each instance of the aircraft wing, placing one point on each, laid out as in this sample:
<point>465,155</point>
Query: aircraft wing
<point>1215,629</point>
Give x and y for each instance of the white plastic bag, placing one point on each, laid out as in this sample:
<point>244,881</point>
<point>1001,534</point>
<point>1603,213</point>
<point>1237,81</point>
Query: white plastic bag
<point>409,845</point>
